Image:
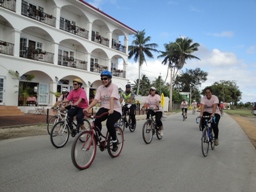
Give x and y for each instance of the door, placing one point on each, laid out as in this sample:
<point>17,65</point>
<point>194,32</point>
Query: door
<point>43,94</point>
<point>2,90</point>
<point>31,49</point>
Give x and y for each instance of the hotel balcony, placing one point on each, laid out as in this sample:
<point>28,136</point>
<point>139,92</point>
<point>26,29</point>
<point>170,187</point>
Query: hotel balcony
<point>72,62</point>
<point>72,28</point>
<point>36,54</point>
<point>6,48</point>
<point>118,72</point>
<point>8,4</point>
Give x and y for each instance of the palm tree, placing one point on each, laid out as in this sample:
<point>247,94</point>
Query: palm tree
<point>139,49</point>
<point>175,55</point>
<point>145,83</point>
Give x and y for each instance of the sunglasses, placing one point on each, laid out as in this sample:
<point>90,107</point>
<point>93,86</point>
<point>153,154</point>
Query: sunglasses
<point>105,78</point>
<point>75,84</point>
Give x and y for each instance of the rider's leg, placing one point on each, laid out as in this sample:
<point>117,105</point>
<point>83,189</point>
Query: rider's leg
<point>80,118</point>
<point>186,110</point>
<point>99,120</point>
<point>112,119</point>
<point>132,114</point>
<point>71,114</point>
<point>159,122</point>
<point>215,126</point>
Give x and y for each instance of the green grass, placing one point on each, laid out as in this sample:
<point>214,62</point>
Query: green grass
<point>241,112</point>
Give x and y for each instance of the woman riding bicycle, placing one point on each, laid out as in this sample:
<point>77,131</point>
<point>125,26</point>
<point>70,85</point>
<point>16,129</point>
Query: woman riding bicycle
<point>109,97</point>
<point>153,102</point>
<point>184,107</point>
<point>209,107</point>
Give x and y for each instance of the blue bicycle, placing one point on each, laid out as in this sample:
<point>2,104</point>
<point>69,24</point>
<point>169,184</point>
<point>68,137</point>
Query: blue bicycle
<point>207,135</point>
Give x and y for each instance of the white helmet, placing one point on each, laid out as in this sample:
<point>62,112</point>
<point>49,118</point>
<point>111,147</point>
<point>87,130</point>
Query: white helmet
<point>64,90</point>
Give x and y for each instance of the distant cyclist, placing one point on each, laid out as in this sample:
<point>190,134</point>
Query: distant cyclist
<point>129,99</point>
<point>184,106</point>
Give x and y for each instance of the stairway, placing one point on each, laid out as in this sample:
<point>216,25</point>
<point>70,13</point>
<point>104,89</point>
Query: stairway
<point>10,111</point>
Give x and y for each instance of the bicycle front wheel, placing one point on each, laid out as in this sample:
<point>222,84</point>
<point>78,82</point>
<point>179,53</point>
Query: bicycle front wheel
<point>205,142</point>
<point>147,132</point>
<point>59,134</point>
<point>87,127</point>
<point>51,122</point>
<point>83,153</point>
<point>120,143</point>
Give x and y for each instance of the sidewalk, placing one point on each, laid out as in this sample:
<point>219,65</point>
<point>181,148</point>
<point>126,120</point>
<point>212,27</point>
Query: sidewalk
<point>34,119</point>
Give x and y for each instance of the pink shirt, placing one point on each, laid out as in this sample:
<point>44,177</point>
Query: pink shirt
<point>103,95</point>
<point>153,101</point>
<point>184,104</point>
<point>74,95</point>
<point>208,104</point>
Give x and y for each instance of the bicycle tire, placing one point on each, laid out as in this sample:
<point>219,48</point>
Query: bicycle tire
<point>51,123</point>
<point>158,135</point>
<point>147,132</point>
<point>212,141</point>
<point>120,142</point>
<point>59,134</point>
<point>205,142</point>
<point>83,153</point>
<point>87,126</point>
<point>131,128</point>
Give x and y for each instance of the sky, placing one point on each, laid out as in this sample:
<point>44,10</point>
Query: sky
<point>225,30</point>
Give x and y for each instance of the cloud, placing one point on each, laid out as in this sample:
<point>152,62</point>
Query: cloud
<point>222,34</point>
<point>172,3</point>
<point>195,9</point>
<point>251,50</point>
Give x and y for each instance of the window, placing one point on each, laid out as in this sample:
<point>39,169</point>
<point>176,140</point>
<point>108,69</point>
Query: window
<point>24,8</point>
<point>39,46</point>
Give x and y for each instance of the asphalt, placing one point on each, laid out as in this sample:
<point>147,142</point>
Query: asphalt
<point>37,119</point>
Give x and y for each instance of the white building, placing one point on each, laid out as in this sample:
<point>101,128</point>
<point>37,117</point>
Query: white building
<point>57,41</point>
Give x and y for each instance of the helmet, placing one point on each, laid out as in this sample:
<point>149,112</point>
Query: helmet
<point>79,81</point>
<point>106,73</point>
<point>153,88</point>
<point>64,90</point>
<point>128,86</point>
<point>194,100</point>
<point>183,99</point>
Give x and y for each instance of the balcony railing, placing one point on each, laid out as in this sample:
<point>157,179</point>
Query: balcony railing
<point>8,4</point>
<point>74,29</point>
<point>118,72</point>
<point>95,67</point>
<point>6,48</point>
<point>37,14</point>
<point>100,39</point>
<point>118,47</point>
<point>36,54</point>
<point>72,62</point>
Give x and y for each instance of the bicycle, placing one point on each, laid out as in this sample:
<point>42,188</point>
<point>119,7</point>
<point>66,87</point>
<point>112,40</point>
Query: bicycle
<point>83,153</point>
<point>61,131</point>
<point>183,115</point>
<point>207,135</point>
<point>193,110</point>
<point>56,118</point>
<point>124,123</point>
<point>149,129</point>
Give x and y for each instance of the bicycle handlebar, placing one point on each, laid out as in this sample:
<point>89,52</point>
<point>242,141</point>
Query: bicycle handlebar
<point>207,116</point>
<point>95,117</point>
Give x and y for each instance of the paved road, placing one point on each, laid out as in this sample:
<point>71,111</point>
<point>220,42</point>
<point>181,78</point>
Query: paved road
<point>174,163</point>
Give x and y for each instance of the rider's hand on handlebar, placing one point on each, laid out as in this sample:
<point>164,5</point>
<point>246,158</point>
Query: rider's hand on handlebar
<point>110,111</point>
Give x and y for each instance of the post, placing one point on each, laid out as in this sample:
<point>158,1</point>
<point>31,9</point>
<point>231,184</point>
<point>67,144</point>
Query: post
<point>170,104</point>
<point>190,95</point>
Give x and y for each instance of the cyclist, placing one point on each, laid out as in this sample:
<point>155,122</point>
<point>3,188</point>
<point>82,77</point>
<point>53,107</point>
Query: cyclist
<point>79,101</point>
<point>221,107</point>
<point>184,106</point>
<point>209,107</point>
<point>129,100</point>
<point>61,98</point>
<point>109,97</point>
<point>153,101</point>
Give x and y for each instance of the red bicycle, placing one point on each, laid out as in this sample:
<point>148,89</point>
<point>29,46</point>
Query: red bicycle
<point>84,148</point>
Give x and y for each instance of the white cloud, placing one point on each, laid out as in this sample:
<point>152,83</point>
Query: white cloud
<point>251,50</point>
<point>222,34</point>
<point>195,9</point>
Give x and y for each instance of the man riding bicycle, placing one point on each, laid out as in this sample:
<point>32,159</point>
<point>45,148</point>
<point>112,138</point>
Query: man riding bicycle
<point>79,101</point>
<point>184,107</point>
<point>129,99</point>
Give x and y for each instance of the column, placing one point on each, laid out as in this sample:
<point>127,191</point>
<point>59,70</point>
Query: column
<point>88,61</point>
<point>57,15</point>
<point>56,51</point>
<point>16,42</point>
<point>53,88</point>
<point>126,45</point>
<point>90,31</point>
<point>18,7</point>
<point>110,39</point>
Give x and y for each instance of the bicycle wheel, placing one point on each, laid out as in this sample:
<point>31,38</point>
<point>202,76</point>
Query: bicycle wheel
<point>147,132</point>
<point>121,123</point>
<point>212,140</point>
<point>83,153</point>
<point>205,142</point>
<point>87,127</point>
<point>120,143</point>
<point>158,135</point>
<point>131,128</point>
<point>51,122</point>
<point>60,134</point>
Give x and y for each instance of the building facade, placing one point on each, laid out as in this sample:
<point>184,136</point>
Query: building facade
<point>45,44</point>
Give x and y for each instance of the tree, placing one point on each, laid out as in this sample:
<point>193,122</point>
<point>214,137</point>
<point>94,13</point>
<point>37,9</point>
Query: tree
<point>139,49</point>
<point>145,85</point>
<point>175,55</point>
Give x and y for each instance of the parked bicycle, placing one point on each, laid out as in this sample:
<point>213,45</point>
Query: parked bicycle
<point>61,131</point>
<point>83,153</point>
<point>207,135</point>
<point>56,118</point>
<point>149,129</point>
<point>124,123</point>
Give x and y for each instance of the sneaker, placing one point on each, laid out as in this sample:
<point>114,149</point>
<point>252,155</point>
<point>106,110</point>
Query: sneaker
<point>115,147</point>
<point>73,132</point>
<point>102,145</point>
<point>216,142</point>
<point>161,132</point>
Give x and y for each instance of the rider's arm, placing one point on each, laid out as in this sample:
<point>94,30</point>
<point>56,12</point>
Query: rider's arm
<point>201,110</point>
<point>111,105</point>
<point>214,109</point>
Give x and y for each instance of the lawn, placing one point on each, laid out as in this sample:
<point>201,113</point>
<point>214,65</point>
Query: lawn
<point>242,112</point>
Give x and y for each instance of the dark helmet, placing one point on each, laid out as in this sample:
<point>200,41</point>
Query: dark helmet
<point>106,73</point>
<point>128,86</point>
